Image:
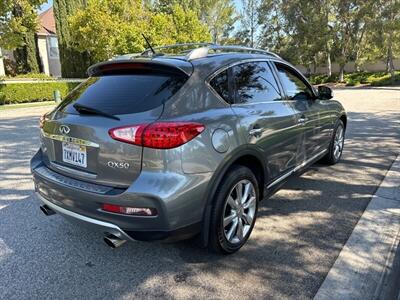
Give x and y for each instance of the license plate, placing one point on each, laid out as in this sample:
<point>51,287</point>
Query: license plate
<point>74,154</point>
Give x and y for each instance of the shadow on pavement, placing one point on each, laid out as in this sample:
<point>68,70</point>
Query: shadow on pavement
<point>297,237</point>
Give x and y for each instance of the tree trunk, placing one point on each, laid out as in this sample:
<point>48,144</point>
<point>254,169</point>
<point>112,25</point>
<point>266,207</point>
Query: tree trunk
<point>357,66</point>
<point>390,63</point>
<point>252,38</point>
<point>328,62</point>
<point>341,72</point>
<point>315,64</point>
<point>2,70</point>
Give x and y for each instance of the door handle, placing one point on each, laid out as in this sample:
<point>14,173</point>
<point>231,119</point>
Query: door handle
<point>255,131</point>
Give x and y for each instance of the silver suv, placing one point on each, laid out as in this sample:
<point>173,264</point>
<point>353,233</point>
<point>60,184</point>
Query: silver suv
<point>169,146</point>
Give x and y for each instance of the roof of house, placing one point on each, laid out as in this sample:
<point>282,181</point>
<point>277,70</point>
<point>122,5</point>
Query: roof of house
<point>47,23</point>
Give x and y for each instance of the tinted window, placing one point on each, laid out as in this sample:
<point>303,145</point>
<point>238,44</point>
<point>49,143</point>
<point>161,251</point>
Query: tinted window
<point>124,94</point>
<point>254,82</point>
<point>220,84</point>
<point>294,86</point>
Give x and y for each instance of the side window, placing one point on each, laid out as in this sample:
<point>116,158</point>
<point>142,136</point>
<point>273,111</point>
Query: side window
<point>53,47</point>
<point>220,84</point>
<point>254,82</point>
<point>294,86</point>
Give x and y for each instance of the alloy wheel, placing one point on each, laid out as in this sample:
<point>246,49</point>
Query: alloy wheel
<point>338,142</point>
<point>239,211</point>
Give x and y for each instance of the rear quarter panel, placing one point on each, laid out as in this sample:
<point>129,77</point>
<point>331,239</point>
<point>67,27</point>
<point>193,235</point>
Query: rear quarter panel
<point>196,102</point>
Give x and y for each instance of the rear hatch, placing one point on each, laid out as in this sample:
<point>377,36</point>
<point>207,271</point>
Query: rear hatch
<point>75,136</point>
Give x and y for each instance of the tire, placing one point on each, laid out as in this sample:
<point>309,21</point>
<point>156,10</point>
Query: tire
<point>336,145</point>
<point>229,239</point>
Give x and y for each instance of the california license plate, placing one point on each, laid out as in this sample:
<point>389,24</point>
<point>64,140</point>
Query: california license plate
<point>74,154</point>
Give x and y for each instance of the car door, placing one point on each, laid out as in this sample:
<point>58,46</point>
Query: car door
<point>268,122</point>
<point>311,114</point>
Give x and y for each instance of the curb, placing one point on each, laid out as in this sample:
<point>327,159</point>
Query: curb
<point>365,268</point>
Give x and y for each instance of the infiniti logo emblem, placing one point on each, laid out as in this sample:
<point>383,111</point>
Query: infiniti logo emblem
<point>64,129</point>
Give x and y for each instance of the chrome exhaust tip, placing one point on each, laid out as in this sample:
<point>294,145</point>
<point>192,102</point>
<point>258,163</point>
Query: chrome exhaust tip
<point>113,241</point>
<point>47,210</point>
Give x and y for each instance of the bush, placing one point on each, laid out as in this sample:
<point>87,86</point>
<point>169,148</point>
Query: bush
<point>322,79</point>
<point>351,83</point>
<point>354,79</point>
<point>385,80</point>
<point>28,76</point>
<point>33,92</point>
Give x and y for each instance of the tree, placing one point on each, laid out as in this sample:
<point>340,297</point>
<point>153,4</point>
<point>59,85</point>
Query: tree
<point>307,27</point>
<point>296,29</point>
<point>275,34</point>
<point>249,16</point>
<point>18,24</point>
<point>165,6</point>
<point>73,62</point>
<point>310,32</point>
<point>326,33</point>
<point>350,24</point>
<point>105,28</point>
<point>386,33</point>
<point>218,15</point>
<point>187,26</point>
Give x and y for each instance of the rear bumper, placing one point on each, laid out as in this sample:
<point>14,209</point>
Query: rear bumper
<point>178,198</point>
<point>105,227</point>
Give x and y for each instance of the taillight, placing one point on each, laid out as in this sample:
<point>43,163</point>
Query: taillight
<point>126,210</point>
<point>41,120</point>
<point>128,134</point>
<point>159,135</point>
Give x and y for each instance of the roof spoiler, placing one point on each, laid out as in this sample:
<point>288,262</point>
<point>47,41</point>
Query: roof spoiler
<point>127,66</point>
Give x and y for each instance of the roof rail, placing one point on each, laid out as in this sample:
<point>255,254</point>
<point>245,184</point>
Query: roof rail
<point>193,45</point>
<point>200,50</point>
<point>204,51</point>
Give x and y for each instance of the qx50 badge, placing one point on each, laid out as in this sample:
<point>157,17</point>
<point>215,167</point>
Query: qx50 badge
<point>118,165</point>
<point>64,129</point>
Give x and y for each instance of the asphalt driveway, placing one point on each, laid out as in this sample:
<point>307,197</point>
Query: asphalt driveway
<point>298,235</point>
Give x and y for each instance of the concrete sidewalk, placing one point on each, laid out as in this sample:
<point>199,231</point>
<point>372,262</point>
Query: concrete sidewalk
<point>368,266</point>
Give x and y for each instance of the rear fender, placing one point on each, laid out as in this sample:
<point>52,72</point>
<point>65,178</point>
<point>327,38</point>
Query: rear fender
<point>217,179</point>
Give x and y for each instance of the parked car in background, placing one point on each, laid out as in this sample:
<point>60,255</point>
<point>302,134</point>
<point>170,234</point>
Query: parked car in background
<point>162,146</point>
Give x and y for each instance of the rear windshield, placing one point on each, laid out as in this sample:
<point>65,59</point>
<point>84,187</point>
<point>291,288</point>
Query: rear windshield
<point>124,94</point>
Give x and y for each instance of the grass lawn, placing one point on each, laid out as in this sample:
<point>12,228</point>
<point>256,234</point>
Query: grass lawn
<point>24,105</point>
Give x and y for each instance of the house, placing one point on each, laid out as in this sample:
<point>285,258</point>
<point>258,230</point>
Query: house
<point>48,44</point>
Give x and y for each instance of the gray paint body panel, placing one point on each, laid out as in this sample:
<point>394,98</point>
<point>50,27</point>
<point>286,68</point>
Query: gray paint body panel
<point>177,182</point>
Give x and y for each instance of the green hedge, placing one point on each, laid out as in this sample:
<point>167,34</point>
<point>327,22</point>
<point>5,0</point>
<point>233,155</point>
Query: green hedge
<point>41,76</point>
<point>357,78</point>
<point>33,92</point>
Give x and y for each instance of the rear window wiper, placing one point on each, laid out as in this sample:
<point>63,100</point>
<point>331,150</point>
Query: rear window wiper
<point>90,110</point>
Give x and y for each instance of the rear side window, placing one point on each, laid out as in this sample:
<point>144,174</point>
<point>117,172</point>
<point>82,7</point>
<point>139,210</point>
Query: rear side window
<point>254,83</point>
<point>124,94</point>
<point>221,85</point>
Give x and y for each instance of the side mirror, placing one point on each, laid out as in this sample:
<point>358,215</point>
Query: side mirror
<point>325,92</point>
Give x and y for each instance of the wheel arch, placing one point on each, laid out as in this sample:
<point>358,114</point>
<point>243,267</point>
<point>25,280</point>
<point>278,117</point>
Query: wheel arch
<point>343,118</point>
<point>246,156</point>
